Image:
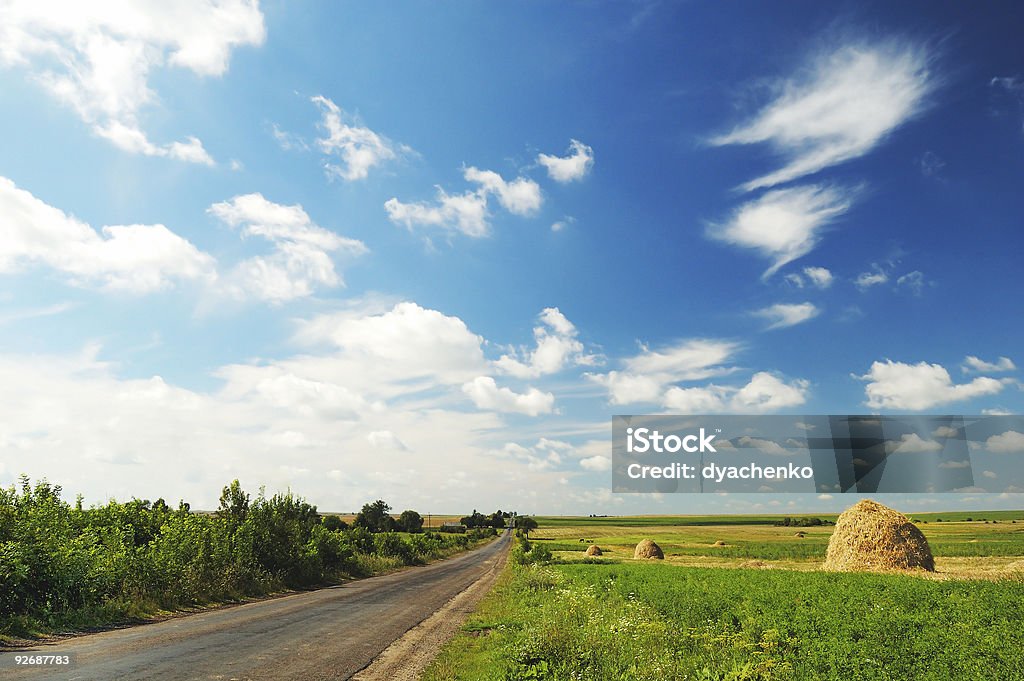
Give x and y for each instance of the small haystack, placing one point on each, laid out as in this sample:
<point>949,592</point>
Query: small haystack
<point>648,549</point>
<point>594,550</point>
<point>800,534</point>
<point>720,543</point>
<point>870,536</point>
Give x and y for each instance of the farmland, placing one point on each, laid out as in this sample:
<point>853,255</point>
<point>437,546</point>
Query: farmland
<point>756,608</point>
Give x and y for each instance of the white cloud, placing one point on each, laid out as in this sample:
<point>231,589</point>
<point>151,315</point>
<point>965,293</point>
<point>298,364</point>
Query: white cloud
<point>486,394</point>
<point>385,439</point>
<point>97,57</point>
<point>895,385</point>
<point>819,276</point>
<point>955,464</point>
<point>784,224</point>
<point>1006,443</point>
<point>596,463</point>
<point>569,168</point>
<point>875,277</point>
<point>521,196</point>
<point>468,212</point>
<point>841,107</point>
<point>407,343</point>
<point>767,392</point>
<point>989,474</point>
<point>912,443</point>
<point>782,315</point>
<point>974,365</point>
<point>135,258</point>
<point>945,431</point>
<point>646,375</point>
<point>301,259</point>
<point>557,347</point>
<point>358,148</point>
<point>764,393</point>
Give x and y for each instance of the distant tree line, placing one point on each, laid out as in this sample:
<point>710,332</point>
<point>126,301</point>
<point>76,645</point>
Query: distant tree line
<point>800,522</point>
<point>495,520</point>
<point>65,566</point>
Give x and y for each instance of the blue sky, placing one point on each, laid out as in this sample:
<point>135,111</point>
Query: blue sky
<point>424,252</point>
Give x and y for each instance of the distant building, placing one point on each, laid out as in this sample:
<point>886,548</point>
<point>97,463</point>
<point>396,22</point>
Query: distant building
<point>452,527</point>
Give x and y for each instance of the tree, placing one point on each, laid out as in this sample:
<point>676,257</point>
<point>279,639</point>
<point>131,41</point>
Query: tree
<point>375,517</point>
<point>333,523</point>
<point>234,504</point>
<point>526,523</point>
<point>410,521</point>
<point>497,520</point>
<point>477,519</point>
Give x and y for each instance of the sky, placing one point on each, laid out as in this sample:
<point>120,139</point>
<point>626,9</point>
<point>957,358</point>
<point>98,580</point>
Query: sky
<point>425,252</point>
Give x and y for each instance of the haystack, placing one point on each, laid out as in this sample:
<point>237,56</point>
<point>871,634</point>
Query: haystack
<point>594,550</point>
<point>720,543</point>
<point>870,536</point>
<point>648,549</point>
<point>800,534</point>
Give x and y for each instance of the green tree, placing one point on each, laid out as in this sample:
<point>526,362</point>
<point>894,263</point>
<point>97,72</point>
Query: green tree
<point>410,521</point>
<point>376,517</point>
<point>526,523</point>
<point>333,523</point>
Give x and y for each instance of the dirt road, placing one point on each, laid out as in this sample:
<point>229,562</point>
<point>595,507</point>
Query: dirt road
<point>327,634</point>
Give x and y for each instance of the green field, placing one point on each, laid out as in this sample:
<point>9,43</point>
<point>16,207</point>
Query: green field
<point>756,608</point>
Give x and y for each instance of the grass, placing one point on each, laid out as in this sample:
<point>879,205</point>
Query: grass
<point>700,615</point>
<point>656,621</point>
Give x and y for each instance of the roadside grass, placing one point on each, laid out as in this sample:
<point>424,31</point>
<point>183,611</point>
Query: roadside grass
<point>713,612</point>
<point>640,621</point>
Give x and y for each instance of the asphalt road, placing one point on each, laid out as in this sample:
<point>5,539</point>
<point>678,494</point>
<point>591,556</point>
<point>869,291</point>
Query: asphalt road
<point>326,634</point>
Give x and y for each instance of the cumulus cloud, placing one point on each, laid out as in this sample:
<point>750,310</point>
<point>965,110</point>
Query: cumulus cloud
<point>134,258</point>
<point>645,376</point>
<point>839,107</point>
<point>557,347</point>
<point>784,224</point>
<point>912,443</point>
<point>782,315</point>
<point>569,168</point>
<point>1006,443</point>
<point>301,259</point>
<point>405,344</point>
<point>468,212</point>
<point>896,385</point>
<point>764,392</point>
<point>356,148</point>
<point>596,463</point>
<point>974,365</point>
<point>97,57</point>
<point>486,394</point>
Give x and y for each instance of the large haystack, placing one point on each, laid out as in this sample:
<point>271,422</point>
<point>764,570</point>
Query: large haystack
<point>648,549</point>
<point>594,550</point>
<point>870,536</point>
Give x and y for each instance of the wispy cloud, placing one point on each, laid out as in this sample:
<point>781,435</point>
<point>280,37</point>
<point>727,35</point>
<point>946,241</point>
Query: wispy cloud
<point>356,147</point>
<point>468,212</point>
<point>97,59</point>
<point>782,315</point>
<point>839,107</point>
<point>784,224</point>
<point>974,365</point>
<point>301,260</point>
